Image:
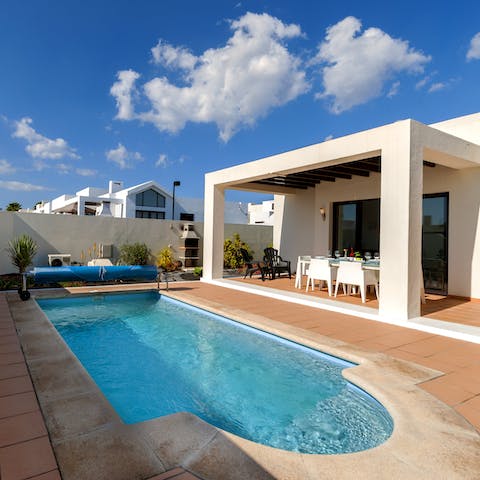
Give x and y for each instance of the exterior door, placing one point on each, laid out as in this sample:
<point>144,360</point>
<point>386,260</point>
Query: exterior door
<point>435,243</point>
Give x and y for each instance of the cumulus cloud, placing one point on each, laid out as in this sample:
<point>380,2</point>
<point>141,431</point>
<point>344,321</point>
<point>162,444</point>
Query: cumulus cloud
<point>474,50</point>
<point>173,57</point>
<point>122,90</point>
<point>357,65</point>
<point>85,172</point>
<point>6,167</point>
<point>40,146</point>
<point>122,157</point>
<point>162,160</point>
<point>231,86</point>
<point>20,186</point>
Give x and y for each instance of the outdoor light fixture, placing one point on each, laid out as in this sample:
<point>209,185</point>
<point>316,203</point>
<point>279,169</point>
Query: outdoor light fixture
<point>323,213</point>
<point>176,183</point>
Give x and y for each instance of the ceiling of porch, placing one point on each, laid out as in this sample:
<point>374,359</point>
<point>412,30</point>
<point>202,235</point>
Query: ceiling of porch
<point>310,178</point>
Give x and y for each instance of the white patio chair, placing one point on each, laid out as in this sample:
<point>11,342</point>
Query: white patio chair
<point>320,269</point>
<point>352,273</point>
<point>302,265</point>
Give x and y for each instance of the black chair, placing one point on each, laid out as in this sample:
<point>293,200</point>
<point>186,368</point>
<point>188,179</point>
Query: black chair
<point>251,266</point>
<point>275,264</point>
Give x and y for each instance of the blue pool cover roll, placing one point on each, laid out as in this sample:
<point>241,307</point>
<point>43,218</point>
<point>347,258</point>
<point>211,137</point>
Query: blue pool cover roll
<point>94,274</point>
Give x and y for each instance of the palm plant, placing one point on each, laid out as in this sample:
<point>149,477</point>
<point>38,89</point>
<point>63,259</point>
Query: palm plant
<point>22,250</point>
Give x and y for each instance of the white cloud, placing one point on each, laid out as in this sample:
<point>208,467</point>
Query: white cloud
<point>328,137</point>
<point>357,65</point>
<point>162,160</point>
<point>85,172</point>
<point>474,50</point>
<point>436,87</point>
<point>63,168</point>
<point>6,167</point>
<point>24,187</point>
<point>393,90</point>
<point>231,86</point>
<point>122,91</point>
<point>421,83</point>
<point>173,57</point>
<point>40,146</point>
<point>122,157</point>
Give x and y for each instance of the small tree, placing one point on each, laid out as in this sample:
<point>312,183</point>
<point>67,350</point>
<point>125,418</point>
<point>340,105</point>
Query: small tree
<point>13,207</point>
<point>232,256</point>
<point>166,260</point>
<point>22,250</point>
<point>134,254</point>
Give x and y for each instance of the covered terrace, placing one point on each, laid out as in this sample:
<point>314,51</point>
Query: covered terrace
<point>398,164</point>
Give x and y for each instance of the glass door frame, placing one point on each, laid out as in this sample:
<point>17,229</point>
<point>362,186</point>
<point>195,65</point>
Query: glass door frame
<point>446,196</point>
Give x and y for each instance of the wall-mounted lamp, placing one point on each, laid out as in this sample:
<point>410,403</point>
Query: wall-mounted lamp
<point>323,213</point>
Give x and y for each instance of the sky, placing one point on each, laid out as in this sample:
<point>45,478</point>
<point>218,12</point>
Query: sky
<point>92,91</point>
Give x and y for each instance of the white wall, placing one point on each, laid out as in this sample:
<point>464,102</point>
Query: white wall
<point>71,234</point>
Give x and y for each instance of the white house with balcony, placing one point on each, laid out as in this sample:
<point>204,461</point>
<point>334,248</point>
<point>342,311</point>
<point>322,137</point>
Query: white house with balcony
<point>407,190</point>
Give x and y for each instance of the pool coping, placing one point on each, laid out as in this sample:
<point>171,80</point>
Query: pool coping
<point>429,440</point>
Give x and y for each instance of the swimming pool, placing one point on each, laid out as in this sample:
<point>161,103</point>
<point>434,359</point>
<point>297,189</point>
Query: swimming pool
<point>153,356</point>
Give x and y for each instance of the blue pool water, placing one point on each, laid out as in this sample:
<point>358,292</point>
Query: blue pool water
<point>153,356</point>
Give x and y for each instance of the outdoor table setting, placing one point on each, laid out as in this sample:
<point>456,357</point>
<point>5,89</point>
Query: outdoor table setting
<point>303,263</point>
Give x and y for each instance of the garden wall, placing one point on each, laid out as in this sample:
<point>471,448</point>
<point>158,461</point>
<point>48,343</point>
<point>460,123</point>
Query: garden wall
<point>71,234</point>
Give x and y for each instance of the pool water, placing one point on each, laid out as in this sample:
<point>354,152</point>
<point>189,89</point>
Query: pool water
<point>154,356</point>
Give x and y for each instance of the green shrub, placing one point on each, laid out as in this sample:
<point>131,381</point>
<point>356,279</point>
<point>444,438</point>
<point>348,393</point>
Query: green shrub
<point>22,250</point>
<point>166,260</point>
<point>198,271</point>
<point>134,254</point>
<point>232,256</point>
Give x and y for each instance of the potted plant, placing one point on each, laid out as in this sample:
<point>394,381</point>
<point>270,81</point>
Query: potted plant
<point>21,251</point>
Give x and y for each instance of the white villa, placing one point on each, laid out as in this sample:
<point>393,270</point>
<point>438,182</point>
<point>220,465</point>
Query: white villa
<point>407,190</point>
<point>261,213</point>
<point>146,200</point>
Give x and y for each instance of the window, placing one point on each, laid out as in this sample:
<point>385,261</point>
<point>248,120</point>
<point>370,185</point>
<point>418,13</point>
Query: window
<point>148,214</point>
<point>187,217</point>
<point>357,225</point>
<point>150,198</point>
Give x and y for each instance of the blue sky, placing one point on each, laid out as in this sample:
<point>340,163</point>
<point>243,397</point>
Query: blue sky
<point>92,91</point>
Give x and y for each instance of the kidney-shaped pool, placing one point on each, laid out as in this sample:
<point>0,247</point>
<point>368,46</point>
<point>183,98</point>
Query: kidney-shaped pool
<point>154,356</point>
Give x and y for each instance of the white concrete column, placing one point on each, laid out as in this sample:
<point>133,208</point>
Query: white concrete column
<point>81,206</point>
<point>213,231</point>
<point>401,222</point>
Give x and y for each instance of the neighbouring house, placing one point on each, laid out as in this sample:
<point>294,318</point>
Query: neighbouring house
<point>146,200</point>
<point>261,213</point>
<point>407,190</point>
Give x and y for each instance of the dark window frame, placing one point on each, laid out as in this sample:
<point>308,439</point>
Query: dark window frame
<point>160,200</point>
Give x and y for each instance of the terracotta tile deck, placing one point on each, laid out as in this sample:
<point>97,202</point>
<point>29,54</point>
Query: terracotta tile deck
<point>439,307</point>
<point>25,450</point>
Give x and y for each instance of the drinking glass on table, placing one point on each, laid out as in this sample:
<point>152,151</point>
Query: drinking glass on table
<point>376,256</point>
<point>368,256</point>
<point>337,254</point>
